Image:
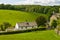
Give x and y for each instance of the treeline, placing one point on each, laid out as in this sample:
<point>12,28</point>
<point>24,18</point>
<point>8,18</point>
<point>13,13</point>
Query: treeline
<point>31,8</point>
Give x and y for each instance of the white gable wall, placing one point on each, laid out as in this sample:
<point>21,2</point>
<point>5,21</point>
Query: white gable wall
<point>16,26</point>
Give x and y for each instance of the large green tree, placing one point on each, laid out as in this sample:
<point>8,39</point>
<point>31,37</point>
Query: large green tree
<point>41,21</point>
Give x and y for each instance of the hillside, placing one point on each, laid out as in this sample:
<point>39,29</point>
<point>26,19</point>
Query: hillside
<point>12,16</point>
<point>37,35</point>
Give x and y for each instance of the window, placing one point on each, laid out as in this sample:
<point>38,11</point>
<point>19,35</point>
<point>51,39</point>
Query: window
<point>26,27</point>
<point>21,27</point>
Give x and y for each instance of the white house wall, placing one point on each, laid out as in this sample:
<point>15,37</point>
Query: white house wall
<point>22,28</point>
<point>16,27</point>
<point>29,27</point>
<point>35,26</point>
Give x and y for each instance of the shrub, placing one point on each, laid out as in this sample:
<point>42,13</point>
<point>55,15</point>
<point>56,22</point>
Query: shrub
<point>2,28</point>
<point>5,25</point>
<point>41,20</point>
<point>54,24</point>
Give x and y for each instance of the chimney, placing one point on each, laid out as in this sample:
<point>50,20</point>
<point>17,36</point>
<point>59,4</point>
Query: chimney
<point>27,23</point>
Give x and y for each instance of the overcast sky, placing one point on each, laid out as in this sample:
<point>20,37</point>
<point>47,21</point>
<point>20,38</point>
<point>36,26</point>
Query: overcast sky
<point>31,2</point>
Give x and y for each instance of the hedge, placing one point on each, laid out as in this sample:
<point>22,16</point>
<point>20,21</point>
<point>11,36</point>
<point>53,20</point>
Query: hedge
<point>22,31</point>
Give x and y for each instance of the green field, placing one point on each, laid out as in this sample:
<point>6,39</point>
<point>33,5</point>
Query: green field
<point>37,35</point>
<point>12,16</point>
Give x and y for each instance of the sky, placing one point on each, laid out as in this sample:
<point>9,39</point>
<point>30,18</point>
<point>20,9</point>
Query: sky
<point>31,2</point>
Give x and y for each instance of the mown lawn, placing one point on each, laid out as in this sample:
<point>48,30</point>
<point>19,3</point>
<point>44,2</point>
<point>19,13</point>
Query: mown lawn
<point>12,16</point>
<point>37,35</point>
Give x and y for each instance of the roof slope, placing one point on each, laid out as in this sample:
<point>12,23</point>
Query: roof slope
<point>27,24</point>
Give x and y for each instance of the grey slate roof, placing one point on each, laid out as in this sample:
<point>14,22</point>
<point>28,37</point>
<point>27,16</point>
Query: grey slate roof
<point>27,24</point>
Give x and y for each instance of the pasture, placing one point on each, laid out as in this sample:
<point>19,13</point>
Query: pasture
<point>12,16</point>
<point>37,35</point>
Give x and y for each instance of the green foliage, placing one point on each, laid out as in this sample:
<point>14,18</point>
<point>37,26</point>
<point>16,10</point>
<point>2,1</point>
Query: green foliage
<point>54,24</point>
<point>30,8</point>
<point>58,22</point>
<point>41,20</point>
<point>5,25</point>
<point>2,27</point>
<point>2,6</point>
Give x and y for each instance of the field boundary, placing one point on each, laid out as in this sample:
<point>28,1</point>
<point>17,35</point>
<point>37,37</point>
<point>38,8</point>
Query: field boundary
<point>22,31</point>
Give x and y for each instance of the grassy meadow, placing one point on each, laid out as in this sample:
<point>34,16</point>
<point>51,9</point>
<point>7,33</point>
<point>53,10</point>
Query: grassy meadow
<point>37,35</point>
<point>12,16</point>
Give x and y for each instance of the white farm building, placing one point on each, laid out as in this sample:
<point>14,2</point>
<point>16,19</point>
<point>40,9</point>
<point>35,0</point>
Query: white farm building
<point>25,25</point>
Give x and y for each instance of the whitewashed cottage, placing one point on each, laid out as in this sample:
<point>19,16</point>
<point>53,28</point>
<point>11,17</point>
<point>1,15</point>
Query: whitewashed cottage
<point>25,25</point>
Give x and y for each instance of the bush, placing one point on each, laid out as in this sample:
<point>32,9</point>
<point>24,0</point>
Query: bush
<point>5,25</point>
<point>2,28</point>
<point>41,21</point>
<point>54,24</point>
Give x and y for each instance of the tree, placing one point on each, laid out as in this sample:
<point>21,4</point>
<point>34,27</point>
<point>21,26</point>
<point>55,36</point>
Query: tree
<point>7,6</point>
<point>5,25</point>
<point>11,7</point>
<point>41,21</point>
<point>54,24</point>
<point>2,6</point>
<point>2,27</point>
